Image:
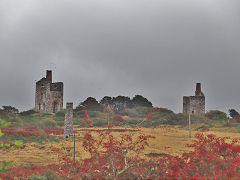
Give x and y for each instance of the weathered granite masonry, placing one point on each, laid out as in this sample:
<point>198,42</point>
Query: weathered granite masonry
<point>68,124</point>
<point>194,104</point>
<point>49,95</point>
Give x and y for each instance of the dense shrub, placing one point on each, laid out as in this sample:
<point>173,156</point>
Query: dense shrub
<point>132,122</point>
<point>60,123</point>
<point>177,119</point>
<point>48,122</point>
<point>27,113</point>
<point>139,112</point>
<point>217,115</point>
<point>161,112</point>
<point>24,131</point>
<point>118,118</point>
<point>99,122</point>
<point>60,114</point>
<point>182,119</point>
<point>3,115</point>
<point>55,131</point>
<point>237,118</point>
<point>15,119</point>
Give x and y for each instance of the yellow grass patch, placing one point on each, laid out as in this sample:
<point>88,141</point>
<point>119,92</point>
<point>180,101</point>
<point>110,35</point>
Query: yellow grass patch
<point>168,140</point>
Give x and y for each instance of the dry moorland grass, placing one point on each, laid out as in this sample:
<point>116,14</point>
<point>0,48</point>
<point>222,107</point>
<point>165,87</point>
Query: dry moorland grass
<point>168,140</point>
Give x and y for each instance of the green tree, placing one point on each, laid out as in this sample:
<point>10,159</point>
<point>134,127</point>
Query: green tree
<point>121,102</point>
<point>139,100</point>
<point>106,101</point>
<point>233,113</point>
<point>10,109</point>
<point>91,104</point>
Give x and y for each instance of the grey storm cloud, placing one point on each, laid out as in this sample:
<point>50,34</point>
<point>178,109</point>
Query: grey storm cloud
<point>156,48</point>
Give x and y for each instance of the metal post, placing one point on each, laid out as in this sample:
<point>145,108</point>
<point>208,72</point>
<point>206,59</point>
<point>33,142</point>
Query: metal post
<point>74,146</point>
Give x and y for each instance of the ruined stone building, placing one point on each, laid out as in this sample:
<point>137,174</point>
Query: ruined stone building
<point>194,104</point>
<point>49,95</point>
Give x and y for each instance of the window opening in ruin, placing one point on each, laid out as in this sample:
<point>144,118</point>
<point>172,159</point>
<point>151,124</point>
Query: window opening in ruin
<point>39,107</point>
<point>44,106</point>
<point>54,107</point>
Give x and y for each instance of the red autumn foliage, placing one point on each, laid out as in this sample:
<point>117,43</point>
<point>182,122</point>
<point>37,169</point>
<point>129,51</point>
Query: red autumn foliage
<point>237,118</point>
<point>54,131</point>
<point>117,120</point>
<point>23,172</point>
<point>86,121</point>
<point>24,131</point>
<point>211,158</point>
<point>108,130</point>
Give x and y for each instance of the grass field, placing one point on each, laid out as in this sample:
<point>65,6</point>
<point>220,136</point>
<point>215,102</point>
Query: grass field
<point>168,140</point>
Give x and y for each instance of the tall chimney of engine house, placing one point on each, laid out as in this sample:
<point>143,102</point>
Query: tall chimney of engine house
<point>198,91</point>
<point>49,75</point>
<point>198,87</point>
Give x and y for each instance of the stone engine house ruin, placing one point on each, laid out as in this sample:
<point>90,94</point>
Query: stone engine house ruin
<point>49,95</point>
<point>194,104</point>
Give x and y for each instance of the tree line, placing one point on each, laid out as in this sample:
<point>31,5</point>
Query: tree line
<point>117,104</point>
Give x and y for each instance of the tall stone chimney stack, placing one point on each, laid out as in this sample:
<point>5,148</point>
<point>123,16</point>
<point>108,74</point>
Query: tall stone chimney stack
<point>198,91</point>
<point>68,124</point>
<point>198,87</point>
<point>49,75</point>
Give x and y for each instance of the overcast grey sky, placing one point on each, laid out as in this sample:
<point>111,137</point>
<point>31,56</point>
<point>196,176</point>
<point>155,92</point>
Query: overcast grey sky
<point>156,48</point>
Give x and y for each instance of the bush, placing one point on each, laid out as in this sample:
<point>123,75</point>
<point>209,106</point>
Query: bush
<point>139,112</point>
<point>60,114</point>
<point>3,115</point>
<point>237,118</point>
<point>99,122</point>
<point>161,112</point>
<point>27,113</point>
<point>132,122</point>
<point>217,115</point>
<point>177,119</point>
<point>15,119</point>
<point>93,113</point>
<point>118,118</point>
<point>60,123</point>
<point>182,119</point>
<point>48,122</point>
